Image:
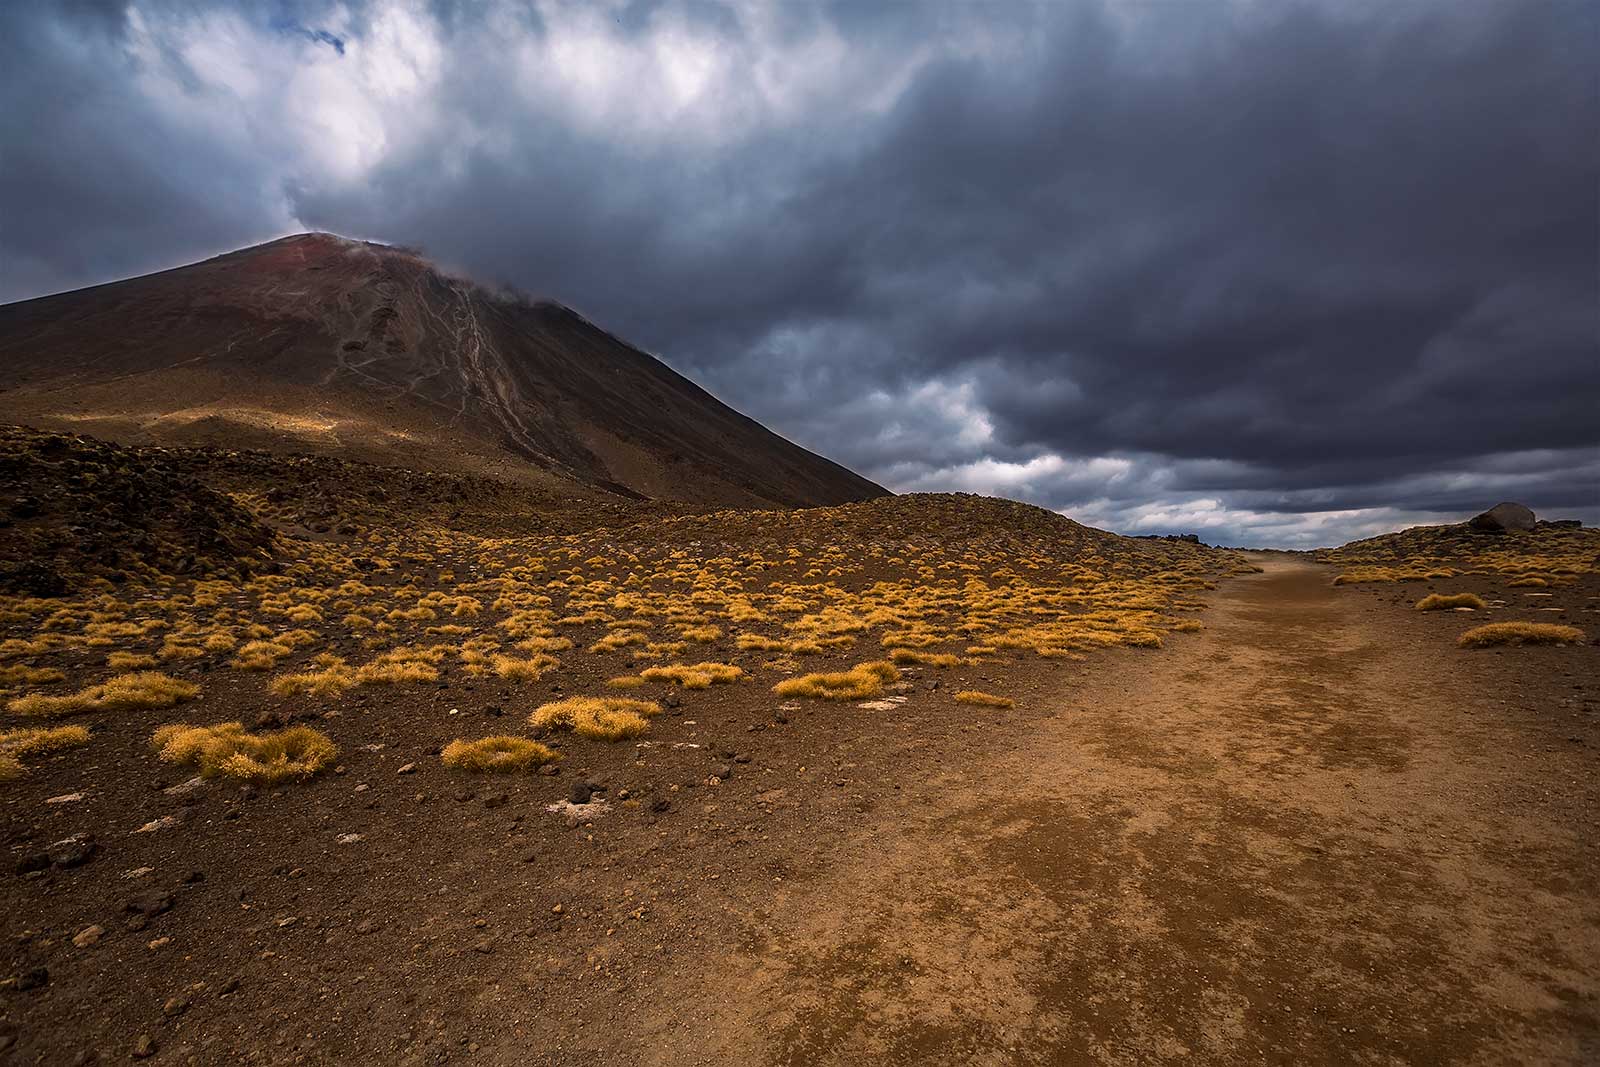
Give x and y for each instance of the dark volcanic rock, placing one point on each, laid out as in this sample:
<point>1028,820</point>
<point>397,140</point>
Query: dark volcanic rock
<point>1503,517</point>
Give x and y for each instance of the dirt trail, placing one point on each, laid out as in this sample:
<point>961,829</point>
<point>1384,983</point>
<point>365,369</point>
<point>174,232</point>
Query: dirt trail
<point>1312,834</point>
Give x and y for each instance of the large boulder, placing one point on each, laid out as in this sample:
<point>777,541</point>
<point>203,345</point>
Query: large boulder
<point>1503,517</point>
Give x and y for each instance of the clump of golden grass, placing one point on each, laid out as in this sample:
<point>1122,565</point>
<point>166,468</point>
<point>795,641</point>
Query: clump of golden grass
<point>601,718</point>
<point>129,661</point>
<point>694,675</point>
<point>1446,601</point>
<point>931,659</point>
<point>146,689</point>
<point>261,655</point>
<point>983,700</point>
<point>332,680</point>
<point>501,754</point>
<point>228,750</point>
<point>20,675</point>
<point>858,683</point>
<point>1188,626</point>
<point>701,634</point>
<point>524,670</point>
<point>30,741</point>
<point>1520,633</point>
<point>625,681</point>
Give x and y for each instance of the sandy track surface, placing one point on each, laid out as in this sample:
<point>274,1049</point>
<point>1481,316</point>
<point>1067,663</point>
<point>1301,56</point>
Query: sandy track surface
<point>1316,834</point>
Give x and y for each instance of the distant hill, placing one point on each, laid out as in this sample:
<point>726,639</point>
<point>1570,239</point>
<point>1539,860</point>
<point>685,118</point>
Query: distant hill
<point>316,343</point>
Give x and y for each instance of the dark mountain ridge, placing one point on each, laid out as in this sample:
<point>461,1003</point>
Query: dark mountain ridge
<point>317,343</point>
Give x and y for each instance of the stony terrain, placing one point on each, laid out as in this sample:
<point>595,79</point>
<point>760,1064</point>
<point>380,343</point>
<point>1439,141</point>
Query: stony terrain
<point>461,770</point>
<point>240,907</point>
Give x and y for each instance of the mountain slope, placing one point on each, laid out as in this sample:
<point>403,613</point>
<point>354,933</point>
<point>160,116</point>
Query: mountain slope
<point>318,343</point>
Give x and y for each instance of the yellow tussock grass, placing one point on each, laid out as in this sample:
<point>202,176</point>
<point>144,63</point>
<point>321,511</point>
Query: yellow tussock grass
<point>601,718</point>
<point>229,751</point>
<point>694,675</point>
<point>501,754</point>
<point>146,689</point>
<point>1520,633</point>
<point>859,682</point>
<point>983,700</point>
<point>1446,601</point>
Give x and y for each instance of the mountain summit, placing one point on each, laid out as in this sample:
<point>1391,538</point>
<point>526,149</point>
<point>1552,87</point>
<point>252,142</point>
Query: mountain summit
<point>317,343</point>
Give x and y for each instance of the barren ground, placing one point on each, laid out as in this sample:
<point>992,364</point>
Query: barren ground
<point>1317,834</point>
<point>1314,832</point>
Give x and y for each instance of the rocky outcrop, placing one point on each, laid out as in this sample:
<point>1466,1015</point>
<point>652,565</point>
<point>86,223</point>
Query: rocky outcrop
<point>1503,517</point>
<point>73,507</point>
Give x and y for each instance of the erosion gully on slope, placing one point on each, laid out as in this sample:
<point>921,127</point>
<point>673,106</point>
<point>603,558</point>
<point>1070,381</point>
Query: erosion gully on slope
<point>1305,837</point>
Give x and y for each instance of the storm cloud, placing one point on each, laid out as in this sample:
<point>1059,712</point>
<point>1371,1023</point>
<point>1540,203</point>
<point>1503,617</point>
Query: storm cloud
<point>1277,273</point>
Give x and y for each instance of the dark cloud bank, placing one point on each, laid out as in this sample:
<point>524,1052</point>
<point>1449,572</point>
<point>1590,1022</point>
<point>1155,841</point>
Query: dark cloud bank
<point>1280,273</point>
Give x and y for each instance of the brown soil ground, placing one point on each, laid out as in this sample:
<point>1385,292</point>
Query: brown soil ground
<point>1315,832</point>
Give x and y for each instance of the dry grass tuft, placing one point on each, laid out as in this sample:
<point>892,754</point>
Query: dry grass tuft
<point>1444,602</point>
<point>147,689</point>
<point>694,675</point>
<point>858,683</point>
<point>501,754</point>
<point>1520,633</point>
<point>31,741</point>
<point>524,670</point>
<point>625,681</point>
<point>984,700</point>
<point>228,750</point>
<point>601,718</point>
<point>931,659</point>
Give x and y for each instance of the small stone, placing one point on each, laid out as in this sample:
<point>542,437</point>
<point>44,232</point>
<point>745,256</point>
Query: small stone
<point>160,942</point>
<point>88,936</point>
<point>722,771</point>
<point>549,770</point>
<point>349,839</point>
<point>150,904</point>
<point>362,788</point>
<point>166,822</point>
<point>230,986</point>
<point>183,789</point>
<point>741,758</point>
<point>65,798</point>
<point>484,947</point>
<point>138,872</point>
<point>72,851</point>
<point>144,1046</point>
<point>33,863</point>
<point>497,800</point>
<point>288,921</point>
<point>32,979</point>
<point>366,926</point>
<point>580,793</point>
<point>409,768</point>
<point>175,1006</point>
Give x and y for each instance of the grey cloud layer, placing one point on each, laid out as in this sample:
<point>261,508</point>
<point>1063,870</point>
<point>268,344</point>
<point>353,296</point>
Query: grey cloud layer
<point>1280,272</point>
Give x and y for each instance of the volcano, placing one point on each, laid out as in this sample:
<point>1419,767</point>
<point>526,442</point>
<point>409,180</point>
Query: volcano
<point>317,343</point>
